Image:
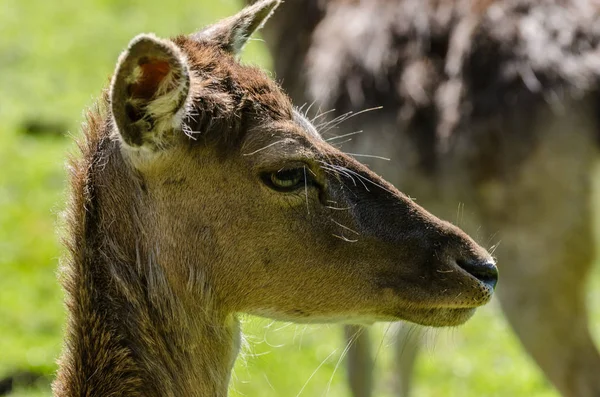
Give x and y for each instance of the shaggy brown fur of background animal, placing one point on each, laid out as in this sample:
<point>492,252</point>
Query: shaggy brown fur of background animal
<point>420,58</point>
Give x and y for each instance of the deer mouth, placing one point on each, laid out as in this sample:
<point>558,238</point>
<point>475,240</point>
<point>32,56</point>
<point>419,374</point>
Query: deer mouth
<point>448,298</point>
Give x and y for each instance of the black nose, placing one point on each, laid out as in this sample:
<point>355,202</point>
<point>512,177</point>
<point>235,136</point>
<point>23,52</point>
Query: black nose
<point>486,271</point>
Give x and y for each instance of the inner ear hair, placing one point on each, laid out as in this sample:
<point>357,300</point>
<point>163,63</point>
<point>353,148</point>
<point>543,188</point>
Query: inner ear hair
<point>150,85</point>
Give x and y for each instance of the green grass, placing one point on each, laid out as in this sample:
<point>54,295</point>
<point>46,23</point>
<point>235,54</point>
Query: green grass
<point>55,57</point>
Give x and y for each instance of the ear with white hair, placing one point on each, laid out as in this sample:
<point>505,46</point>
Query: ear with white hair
<point>149,91</point>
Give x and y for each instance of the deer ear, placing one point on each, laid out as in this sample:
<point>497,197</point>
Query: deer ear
<point>149,90</point>
<point>231,34</point>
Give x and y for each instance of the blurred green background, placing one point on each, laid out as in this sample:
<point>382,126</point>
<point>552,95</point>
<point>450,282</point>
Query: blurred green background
<point>55,57</point>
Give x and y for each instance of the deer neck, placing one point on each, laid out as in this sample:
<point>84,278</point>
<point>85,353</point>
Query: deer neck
<point>130,331</point>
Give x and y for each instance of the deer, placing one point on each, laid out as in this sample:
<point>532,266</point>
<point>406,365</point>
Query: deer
<point>201,192</point>
<point>489,109</point>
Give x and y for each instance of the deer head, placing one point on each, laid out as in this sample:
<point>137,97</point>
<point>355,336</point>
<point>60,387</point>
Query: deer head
<point>241,199</point>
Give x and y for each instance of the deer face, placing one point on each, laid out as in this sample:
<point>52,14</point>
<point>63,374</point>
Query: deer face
<point>248,205</point>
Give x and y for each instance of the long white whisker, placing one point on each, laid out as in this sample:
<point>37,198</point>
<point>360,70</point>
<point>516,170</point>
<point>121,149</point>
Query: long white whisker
<point>339,144</point>
<point>320,115</point>
<point>346,116</point>
<point>409,337</point>
<point>263,148</point>
<point>329,125</point>
<point>387,329</point>
<point>315,371</point>
<point>346,239</point>
<point>494,247</point>
<point>283,327</point>
<point>342,356</point>
<point>343,136</point>
<point>337,209</point>
<point>340,171</point>
<point>308,109</point>
<point>492,237</point>
<point>346,170</point>
<point>330,168</point>
<point>336,119</point>
<point>370,181</point>
<point>268,381</point>
<point>368,155</point>
<point>306,191</point>
<point>344,227</point>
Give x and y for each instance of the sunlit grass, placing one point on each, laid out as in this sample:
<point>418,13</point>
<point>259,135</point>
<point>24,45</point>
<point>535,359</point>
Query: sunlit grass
<point>55,57</point>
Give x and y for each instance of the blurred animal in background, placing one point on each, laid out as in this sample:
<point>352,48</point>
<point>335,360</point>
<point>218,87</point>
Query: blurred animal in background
<point>200,193</point>
<point>490,107</point>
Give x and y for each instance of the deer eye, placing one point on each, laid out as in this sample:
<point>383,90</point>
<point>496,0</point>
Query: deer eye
<point>285,180</point>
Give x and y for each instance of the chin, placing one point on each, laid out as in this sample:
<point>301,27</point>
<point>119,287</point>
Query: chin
<point>442,317</point>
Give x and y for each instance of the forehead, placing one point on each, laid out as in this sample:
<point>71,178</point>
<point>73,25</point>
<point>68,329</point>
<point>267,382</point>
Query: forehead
<point>230,88</point>
<point>294,136</point>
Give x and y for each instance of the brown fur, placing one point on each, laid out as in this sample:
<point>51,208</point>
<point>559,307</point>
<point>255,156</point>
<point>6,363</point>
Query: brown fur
<point>175,225</point>
<point>488,107</point>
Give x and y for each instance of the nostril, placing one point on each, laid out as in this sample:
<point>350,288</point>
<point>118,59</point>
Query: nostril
<point>486,271</point>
